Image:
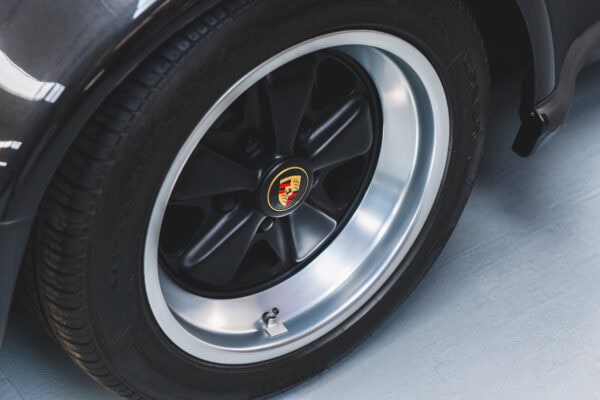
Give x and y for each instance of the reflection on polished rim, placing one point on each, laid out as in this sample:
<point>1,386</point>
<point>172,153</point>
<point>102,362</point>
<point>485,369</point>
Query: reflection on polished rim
<point>358,262</point>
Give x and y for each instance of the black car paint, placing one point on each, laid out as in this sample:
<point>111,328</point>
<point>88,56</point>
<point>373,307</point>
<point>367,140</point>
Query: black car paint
<point>573,29</point>
<point>90,46</point>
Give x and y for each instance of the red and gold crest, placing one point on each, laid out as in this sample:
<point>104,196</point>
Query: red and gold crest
<point>288,189</point>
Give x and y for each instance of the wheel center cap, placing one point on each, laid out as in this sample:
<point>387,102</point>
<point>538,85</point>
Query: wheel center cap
<point>284,189</point>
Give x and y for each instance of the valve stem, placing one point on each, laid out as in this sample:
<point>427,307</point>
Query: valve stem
<point>272,325</point>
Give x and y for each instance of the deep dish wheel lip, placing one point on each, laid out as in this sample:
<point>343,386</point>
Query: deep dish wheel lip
<point>231,333</point>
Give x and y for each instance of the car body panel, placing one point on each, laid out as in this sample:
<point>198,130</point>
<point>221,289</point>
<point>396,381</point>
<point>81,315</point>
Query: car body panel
<point>569,19</point>
<point>60,59</point>
<point>564,35</point>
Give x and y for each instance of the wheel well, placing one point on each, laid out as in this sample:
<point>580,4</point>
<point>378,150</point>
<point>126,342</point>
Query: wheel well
<point>505,34</point>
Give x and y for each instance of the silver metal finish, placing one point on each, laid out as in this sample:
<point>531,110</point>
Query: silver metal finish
<point>365,253</point>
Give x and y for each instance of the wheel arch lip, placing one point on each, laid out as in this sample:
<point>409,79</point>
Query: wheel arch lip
<point>63,59</point>
<point>560,36</point>
<point>88,67</point>
<point>564,36</point>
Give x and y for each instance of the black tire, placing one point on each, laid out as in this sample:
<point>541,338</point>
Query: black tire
<point>87,244</point>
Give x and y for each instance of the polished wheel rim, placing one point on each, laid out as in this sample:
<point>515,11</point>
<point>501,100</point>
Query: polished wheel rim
<point>388,133</point>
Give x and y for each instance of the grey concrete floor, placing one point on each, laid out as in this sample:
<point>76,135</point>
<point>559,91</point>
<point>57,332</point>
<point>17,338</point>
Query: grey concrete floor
<point>511,309</point>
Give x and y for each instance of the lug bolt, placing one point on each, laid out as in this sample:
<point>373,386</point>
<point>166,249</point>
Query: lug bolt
<point>228,204</point>
<point>252,148</point>
<point>266,225</point>
<point>315,180</point>
<point>305,130</point>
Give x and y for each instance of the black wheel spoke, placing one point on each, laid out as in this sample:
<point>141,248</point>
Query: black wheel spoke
<point>279,239</point>
<point>347,133</point>
<point>275,177</point>
<point>289,90</point>
<point>321,201</point>
<point>309,228</point>
<point>209,173</point>
<point>215,256</point>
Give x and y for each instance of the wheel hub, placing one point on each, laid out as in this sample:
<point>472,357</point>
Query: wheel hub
<point>284,189</point>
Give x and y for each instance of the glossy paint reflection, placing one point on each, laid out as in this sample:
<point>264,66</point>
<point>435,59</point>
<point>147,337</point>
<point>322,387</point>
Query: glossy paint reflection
<point>142,6</point>
<point>16,81</point>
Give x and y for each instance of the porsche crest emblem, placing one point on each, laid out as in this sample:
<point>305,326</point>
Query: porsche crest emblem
<point>288,189</point>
